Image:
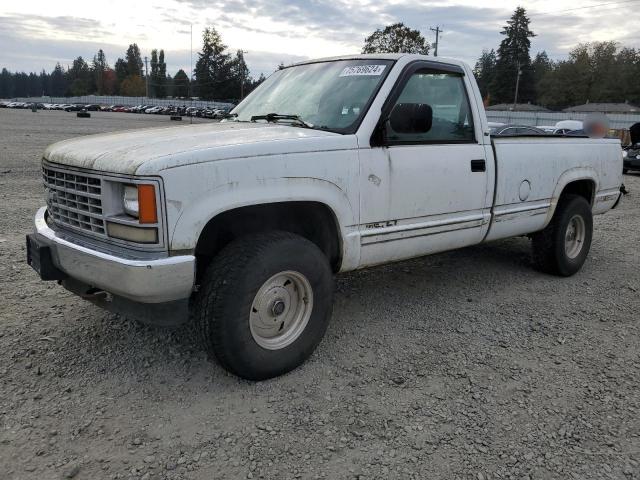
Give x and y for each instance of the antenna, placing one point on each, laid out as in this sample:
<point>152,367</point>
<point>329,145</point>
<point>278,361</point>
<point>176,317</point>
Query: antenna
<point>191,72</point>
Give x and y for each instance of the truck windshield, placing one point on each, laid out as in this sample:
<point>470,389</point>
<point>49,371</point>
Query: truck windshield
<point>330,96</point>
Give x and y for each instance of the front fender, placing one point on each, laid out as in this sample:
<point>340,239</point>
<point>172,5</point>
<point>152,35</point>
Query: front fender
<point>195,215</point>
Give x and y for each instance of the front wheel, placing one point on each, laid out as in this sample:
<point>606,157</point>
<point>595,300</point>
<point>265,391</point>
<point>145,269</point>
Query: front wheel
<point>562,247</point>
<point>264,304</point>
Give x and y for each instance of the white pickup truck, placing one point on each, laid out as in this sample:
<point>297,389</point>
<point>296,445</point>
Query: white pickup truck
<point>329,166</point>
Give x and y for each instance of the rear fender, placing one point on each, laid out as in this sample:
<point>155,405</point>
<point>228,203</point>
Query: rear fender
<point>569,176</point>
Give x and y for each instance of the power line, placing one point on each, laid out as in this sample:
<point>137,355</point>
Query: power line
<point>583,8</point>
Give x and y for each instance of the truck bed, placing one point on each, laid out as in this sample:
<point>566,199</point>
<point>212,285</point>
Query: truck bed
<point>531,172</point>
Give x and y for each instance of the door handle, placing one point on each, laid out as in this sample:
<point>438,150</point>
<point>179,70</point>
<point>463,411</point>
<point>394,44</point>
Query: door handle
<point>478,165</point>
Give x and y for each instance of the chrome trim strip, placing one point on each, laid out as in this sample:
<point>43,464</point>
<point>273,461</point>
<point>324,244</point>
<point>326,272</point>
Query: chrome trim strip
<point>402,232</point>
<point>425,234</point>
<point>428,224</point>
<point>505,210</point>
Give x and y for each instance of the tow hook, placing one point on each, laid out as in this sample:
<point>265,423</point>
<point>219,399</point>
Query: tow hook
<point>624,190</point>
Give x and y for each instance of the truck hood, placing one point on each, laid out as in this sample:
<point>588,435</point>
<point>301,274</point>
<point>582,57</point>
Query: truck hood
<point>151,150</point>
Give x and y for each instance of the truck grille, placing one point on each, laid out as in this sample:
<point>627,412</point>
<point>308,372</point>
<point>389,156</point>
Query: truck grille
<point>74,200</point>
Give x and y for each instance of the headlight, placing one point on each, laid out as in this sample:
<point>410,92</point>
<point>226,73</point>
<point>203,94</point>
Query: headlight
<point>130,200</point>
<point>139,201</point>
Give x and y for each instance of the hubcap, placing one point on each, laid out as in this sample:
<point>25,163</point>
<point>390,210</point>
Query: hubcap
<point>281,310</point>
<point>574,237</point>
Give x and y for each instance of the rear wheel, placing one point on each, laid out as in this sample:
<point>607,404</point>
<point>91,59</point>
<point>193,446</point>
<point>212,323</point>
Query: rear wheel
<point>264,304</point>
<point>562,247</point>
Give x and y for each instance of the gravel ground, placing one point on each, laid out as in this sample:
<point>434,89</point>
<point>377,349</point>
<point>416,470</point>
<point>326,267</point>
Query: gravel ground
<point>464,365</point>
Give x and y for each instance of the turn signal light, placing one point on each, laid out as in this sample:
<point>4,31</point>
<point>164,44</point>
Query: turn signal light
<point>148,211</point>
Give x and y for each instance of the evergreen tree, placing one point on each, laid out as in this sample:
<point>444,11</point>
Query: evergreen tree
<point>34,86</point>
<point>541,66</point>
<point>213,66</point>
<point>396,38</point>
<point>240,76</point>
<point>99,67</point>
<point>121,71</point>
<point>628,68</point>
<point>134,61</point>
<point>6,84</point>
<point>153,77</point>
<point>45,83</point>
<point>161,89</point>
<point>21,84</point>
<point>58,81</point>
<point>514,60</point>
<point>485,71</point>
<point>79,77</point>
<point>181,84</point>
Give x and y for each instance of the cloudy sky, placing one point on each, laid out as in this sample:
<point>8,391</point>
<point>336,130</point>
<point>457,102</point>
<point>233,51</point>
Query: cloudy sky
<point>35,34</point>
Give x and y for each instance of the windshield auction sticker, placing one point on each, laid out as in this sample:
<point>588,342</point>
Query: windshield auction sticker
<point>366,70</point>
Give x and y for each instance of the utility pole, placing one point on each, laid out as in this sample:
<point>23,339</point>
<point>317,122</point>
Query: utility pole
<point>242,67</point>
<point>146,74</point>
<point>438,32</point>
<point>515,100</point>
<point>191,72</point>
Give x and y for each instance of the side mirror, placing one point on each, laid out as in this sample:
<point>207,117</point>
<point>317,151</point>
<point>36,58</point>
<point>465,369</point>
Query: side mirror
<point>411,118</point>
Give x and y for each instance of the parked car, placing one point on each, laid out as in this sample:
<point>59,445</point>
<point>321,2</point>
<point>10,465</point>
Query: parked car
<point>239,226</point>
<point>154,110</point>
<point>631,161</point>
<point>73,107</point>
<point>565,126</point>
<point>516,130</point>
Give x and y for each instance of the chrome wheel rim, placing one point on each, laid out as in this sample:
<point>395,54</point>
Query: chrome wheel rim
<point>281,310</point>
<point>574,237</point>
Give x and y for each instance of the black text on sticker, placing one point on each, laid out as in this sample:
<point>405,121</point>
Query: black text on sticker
<point>357,70</point>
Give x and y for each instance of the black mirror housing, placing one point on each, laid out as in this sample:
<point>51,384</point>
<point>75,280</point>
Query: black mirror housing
<point>411,118</point>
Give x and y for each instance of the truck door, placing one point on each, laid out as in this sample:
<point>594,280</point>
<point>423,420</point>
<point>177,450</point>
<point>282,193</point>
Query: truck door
<point>427,192</point>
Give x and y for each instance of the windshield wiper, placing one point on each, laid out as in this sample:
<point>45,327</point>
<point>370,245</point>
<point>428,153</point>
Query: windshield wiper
<point>274,117</point>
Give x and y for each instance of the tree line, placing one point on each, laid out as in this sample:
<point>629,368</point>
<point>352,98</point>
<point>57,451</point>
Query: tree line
<point>598,72</point>
<point>602,72</point>
<point>218,74</point>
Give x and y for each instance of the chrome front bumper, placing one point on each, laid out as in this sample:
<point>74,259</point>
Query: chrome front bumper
<point>155,280</point>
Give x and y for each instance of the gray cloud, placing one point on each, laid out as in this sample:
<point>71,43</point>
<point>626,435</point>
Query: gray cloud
<point>467,30</point>
<point>38,25</point>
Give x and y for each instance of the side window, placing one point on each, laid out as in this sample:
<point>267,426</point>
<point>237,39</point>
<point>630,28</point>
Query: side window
<point>446,94</point>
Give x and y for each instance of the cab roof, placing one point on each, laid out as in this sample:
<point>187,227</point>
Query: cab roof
<point>385,56</point>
